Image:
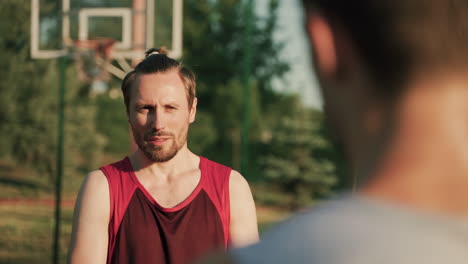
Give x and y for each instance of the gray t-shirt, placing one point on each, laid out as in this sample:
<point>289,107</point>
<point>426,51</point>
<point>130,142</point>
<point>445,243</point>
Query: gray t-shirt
<point>360,230</point>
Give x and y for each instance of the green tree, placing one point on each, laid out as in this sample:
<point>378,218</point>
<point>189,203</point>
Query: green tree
<point>298,160</point>
<point>214,49</point>
<point>29,102</point>
<point>27,98</point>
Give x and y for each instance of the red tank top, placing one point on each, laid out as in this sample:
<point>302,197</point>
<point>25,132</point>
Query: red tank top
<point>142,231</point>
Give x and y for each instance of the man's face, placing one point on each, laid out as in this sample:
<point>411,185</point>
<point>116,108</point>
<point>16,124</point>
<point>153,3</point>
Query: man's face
<point>159,115</point>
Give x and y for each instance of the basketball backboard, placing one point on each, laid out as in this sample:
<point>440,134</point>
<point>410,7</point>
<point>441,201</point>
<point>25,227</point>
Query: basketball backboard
<point>136,25</point>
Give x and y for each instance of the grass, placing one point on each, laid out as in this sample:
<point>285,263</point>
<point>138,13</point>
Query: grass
<point>267,216</point>
<point>27,233</point>
<point>27,225</point>
<point>20,182</point>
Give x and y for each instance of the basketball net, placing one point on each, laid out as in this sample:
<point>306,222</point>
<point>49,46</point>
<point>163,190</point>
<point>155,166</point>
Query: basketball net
<point>93,58</point>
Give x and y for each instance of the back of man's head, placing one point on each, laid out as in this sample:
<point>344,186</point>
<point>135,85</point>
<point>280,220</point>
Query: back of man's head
<point>398,38</point>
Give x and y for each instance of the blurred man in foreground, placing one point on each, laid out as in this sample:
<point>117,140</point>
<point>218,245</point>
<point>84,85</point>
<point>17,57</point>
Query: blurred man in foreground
<point>394,76</point>
<point>163,203</point>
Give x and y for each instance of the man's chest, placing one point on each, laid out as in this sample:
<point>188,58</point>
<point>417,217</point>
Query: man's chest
<point>171,193</point>
<point>149,234</point>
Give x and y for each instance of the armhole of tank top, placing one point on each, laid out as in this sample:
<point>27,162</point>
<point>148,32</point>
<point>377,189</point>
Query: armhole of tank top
<point>111,192</point>
<point>227,208</point>
<point>117,211</point>
<point>218,192</point>
<point>110,225</point>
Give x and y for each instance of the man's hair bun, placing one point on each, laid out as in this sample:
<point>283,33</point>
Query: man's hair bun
<point>162,50</point>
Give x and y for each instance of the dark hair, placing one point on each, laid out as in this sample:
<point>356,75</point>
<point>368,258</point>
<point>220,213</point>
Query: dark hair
<point>156,60</point>
<point>397,37</point>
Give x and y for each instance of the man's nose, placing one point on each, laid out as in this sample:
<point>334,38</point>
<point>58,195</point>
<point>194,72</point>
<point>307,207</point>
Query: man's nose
<point>158,121</point>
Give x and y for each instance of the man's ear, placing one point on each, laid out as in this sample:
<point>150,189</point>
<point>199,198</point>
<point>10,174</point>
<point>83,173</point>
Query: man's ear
<point>193,110</point>
<point>323,43</point>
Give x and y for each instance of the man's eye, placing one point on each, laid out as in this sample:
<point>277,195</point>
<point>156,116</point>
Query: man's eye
<point>170,107</point>
<point>144,109</point>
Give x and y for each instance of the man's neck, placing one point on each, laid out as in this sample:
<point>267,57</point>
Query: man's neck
<point>183,161</point>
<point>425,162</point>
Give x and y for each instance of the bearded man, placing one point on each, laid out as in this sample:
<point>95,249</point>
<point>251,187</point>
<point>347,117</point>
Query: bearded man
<point>163,203</point>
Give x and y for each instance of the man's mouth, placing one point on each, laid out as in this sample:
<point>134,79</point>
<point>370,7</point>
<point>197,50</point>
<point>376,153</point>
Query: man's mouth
<point>158,140</point>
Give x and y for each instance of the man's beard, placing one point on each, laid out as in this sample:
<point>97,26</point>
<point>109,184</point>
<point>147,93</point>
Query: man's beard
<point>157,153</point>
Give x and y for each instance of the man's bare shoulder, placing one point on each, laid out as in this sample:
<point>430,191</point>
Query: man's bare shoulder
<point>243,227</point>
<point>96,173</point>
<point>237,181</point>
<point>95,179</point>
<point>239,187</point>
<point>95,188</point>
<point>91,217</point>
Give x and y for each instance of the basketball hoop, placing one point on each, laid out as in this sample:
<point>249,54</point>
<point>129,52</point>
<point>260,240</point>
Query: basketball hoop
<point>93,59</point>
